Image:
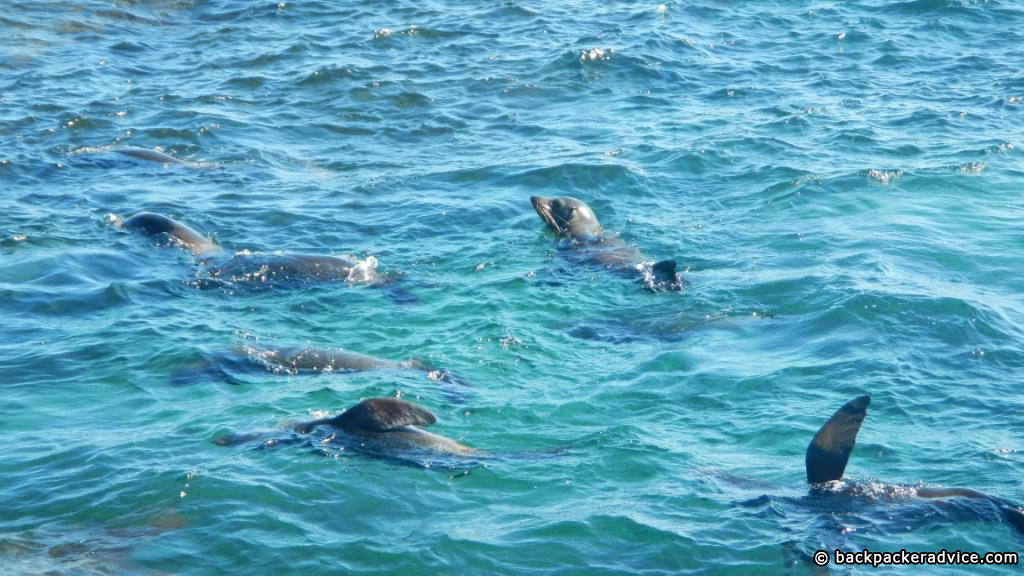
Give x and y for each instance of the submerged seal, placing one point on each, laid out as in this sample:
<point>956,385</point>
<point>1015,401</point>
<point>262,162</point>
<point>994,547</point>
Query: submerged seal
<point>320,359</point>
<point>152,224</point>
<point>387,425</point>
<point>149,155</point>
<point>256,268</point>
<point>310,359</point>
<point>383,427</point>
<point>829,452</point>
<point>572,219</point>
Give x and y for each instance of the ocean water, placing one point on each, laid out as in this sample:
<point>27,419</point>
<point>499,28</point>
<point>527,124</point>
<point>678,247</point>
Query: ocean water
<point>840,181</point>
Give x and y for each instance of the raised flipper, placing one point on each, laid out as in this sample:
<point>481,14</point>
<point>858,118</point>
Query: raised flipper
<point>830,450</point>
<point>381,415</point>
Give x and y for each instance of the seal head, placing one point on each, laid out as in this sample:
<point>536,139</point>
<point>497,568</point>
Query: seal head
<point>830,450</point>
<point>568,217</point>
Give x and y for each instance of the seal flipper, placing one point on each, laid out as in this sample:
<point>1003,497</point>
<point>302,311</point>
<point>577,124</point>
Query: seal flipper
<point>1011,512</point>
<point>830,450</point>
<point>402,295</point>
<point>381,415</point>
<point>1015,516</point>
<point>236,439</point>
<point>397,288</point>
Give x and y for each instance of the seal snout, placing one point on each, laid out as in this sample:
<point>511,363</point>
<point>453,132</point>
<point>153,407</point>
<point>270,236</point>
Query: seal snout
<point>540,203</point>
<point>543,207</point>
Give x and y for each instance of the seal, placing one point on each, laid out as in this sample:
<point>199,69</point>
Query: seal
<point>148,155</point>
<point>297,359</point>
<point>258,269</point>
<point>389,425</point>
<point>312,359</point>
<point>382,427</point>
<point>244,359</point>
<point>276,269</point>
<point>830,449</point>
<point>572,219</point>
<point>152,224</point>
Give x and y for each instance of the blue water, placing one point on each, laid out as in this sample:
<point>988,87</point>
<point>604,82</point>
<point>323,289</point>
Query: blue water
<point>841,182</point>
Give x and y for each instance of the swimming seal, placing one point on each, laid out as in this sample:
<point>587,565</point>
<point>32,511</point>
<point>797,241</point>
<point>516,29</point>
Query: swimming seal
<point>572,219</point>
<point>268,270</point>
<point>152,224</point>
<point>245,359</point>
<point>388,425</point>
<point>830,449</point>
<point>381,427</point>
<point>322,359</point>
<point>148,155</point>
<point>258,269</point>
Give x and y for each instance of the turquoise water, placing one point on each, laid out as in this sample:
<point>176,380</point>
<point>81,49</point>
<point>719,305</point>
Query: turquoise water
<point>841,180</point>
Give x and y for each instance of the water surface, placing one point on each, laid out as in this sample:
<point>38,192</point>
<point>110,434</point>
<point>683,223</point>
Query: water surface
<point>841,181</point>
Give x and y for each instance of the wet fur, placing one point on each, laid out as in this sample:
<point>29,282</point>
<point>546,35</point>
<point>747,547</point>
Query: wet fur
<point>389,423</point>
<point>263,270</point>
<point>573,220</point>
<point>829,452</point>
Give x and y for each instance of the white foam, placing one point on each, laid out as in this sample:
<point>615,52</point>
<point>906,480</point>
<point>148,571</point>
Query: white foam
<point>595,54</point>
<point>884,176</point>
<point>972,167</point>
<point>364,270</point>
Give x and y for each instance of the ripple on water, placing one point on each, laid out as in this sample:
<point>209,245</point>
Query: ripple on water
<point>842,190</point>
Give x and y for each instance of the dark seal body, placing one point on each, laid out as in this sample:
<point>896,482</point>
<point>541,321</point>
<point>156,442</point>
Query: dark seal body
<point>389,424</point>
<point>262,269</point>
<point>573,220</point>
<point>152,224</point>
<point>274,268</point>
<point>148,155</point>
<point>829,452</point>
